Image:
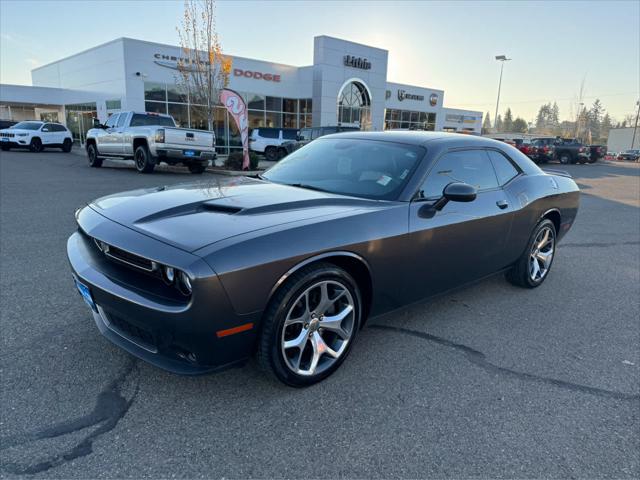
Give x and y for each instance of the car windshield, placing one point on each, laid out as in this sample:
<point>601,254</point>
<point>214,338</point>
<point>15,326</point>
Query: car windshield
<point>347,166</point>
<point>27,126</point>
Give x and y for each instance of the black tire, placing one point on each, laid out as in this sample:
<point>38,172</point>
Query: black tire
<point>143,161</point>
<point>5,148</point>
<point>520,274</point>
<point>282,152</point>
<point>36,145</point>
<point>92,155</point>
<point>66,145</point>
<point>197,167</point>
<point>565,158</point>
<point>271,154</point>
<point>270,355</point>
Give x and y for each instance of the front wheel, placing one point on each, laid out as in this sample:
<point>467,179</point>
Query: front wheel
<point>565,158</point>
<point>533,266</point>
<point>142,158</point>
<point>92,156</point>
<point>310,325</point>
<point>36,145</point>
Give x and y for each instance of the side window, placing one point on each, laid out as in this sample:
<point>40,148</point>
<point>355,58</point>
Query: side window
<point>505,170</point>
<point>113,119</point>
<point>315,133</point>
<point>47,127</point>
<point>305,134</point>
<point>468,166</point>
<point>289,134</point>
<point>269,133</point>
<point>122,119</point>
<point>58,128</point>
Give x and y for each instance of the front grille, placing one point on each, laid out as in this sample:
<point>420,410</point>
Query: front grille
<point>140,336</point>
<point>10,135</point>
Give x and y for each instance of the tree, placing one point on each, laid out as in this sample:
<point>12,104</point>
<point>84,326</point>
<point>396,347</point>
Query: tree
<point>520,125</point>
<point>486,124</point>
<point>204,69</point>
<point>507,123</point>
<point>605,126</point>
<point>594,118</point>
<point>498,123</point>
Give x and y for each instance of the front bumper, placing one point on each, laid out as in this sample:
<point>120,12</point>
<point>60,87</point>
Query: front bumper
<point>140,313</point>
<point>13,143</point>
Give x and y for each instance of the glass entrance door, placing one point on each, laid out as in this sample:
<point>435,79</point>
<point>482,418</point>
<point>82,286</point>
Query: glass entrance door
<point>80,120</point>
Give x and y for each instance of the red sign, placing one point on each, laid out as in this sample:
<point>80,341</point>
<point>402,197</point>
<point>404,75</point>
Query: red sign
<point>234,103</point>
<point>269,77</point>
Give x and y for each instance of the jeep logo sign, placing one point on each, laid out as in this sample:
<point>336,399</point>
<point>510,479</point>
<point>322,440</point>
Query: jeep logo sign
<point>357,62</point>
<point>269,77</point>
<point>433,99</point>
<point>403,95</point>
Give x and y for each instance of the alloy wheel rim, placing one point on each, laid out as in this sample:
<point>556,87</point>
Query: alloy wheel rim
<point>541,254</point>
<point>139,161</point>
<point>318,328</point>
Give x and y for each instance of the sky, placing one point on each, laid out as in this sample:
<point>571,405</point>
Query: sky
<point>554,46</point>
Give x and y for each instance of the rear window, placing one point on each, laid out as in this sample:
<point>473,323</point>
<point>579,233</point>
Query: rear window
<point>289,134</point>
<point>141,120</point>
<point>268,132</point>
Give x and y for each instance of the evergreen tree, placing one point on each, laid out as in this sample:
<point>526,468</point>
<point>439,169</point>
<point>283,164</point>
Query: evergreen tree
<point>520,125</point>
<point>486,124</point>
<point>499,123</point>
<point>554,118</point>
<point>594,119</point>
<point>507,123</point>
<point>605,126</point>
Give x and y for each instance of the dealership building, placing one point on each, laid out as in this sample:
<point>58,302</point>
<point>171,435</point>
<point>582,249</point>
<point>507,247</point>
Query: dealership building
<point>346,85</point>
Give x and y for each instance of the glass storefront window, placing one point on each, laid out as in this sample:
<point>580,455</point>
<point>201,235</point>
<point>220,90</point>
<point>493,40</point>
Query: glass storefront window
<point>289,120</point>
<point>273,119</point>
<point>414,117</point>
<point>155,107</point>
<point>274,104</point>
<point>155,91</point>
<point>423,117</point>
<point>113,104</point>
<point>290,105</point>
<point>180,114</point>
<point>255,102</point>
<point>256,119</point>
<point>175,93</point>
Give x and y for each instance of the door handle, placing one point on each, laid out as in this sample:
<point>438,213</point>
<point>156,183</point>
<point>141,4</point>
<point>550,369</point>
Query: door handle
<point>502,204</point>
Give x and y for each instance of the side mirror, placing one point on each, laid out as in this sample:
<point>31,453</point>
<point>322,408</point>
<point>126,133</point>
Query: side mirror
<point>97,124</point>
<point>456,192</point>
<point>45,129</point>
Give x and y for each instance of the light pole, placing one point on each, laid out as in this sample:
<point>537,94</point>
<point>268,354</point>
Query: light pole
<point>579,119</point>
<point>501,58</point>
<point>633,141</point>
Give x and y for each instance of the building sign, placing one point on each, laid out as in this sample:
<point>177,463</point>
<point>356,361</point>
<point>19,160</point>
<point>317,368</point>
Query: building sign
<point>403,95</point>
<point>433,99</point>
<point>453,118</point>
<point>357,62</point>
<point>269,77</point>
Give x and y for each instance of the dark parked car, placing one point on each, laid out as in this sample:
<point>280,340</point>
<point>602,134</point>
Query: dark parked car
<point>289,265</point>
<point>305,135</point>
<point>526,147</point>
<point>571,151</point>
<point>629,155</point>
<point>544,149</point>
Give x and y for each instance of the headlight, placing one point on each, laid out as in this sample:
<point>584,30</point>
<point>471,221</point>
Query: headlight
<point>160,135</point>
<point>21,134</point>
<point>184,283</point>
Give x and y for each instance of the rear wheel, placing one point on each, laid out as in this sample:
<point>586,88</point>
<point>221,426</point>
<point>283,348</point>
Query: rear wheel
<point>36,145</point>
<point>142,158</point>
<point>197,167</point>
<point>92,156</point>
<point>310,325</point>
<point>565,158</point>
<point>66,145</point>
<point>271,154</point>
<point>282,153</point>
<point>534,265</point>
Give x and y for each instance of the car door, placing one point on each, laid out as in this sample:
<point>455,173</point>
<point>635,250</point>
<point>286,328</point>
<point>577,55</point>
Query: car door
<point>461,242</point>
<point>47,134</point>
<point>106,138</point>
<point>118,134</point>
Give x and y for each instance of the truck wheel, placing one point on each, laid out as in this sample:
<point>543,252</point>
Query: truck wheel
<point>92,156</point>
<point>5,148</point>
<point>565,158</point>
<point>66,145</point>
<point>271,154</point>
<point>142,158</point>
<point>197,167</point>
<point>36,145</point>
<point>282,152</point>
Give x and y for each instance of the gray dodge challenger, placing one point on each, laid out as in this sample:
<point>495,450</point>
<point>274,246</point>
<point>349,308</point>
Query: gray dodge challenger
<point>289,265</point>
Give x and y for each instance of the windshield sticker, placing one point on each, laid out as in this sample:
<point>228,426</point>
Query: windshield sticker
<point>384,180</point>
<point>404,174</point>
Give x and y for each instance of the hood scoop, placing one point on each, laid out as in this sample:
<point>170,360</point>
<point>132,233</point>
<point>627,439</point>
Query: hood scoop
<point>213,206</point>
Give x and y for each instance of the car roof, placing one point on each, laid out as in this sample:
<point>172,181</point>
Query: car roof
<point>421,138</point>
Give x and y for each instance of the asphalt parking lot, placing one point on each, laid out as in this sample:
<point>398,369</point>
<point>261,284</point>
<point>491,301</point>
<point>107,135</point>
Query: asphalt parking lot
<point>489,382</point>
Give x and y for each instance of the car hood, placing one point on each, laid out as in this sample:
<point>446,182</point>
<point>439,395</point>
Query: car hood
<point>192,216</point>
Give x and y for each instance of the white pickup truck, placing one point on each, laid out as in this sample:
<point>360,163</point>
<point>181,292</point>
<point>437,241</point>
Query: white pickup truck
<point>149,138</point>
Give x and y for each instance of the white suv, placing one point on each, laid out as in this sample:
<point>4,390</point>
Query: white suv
<point>36,136</point>
<point>269,141</point>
